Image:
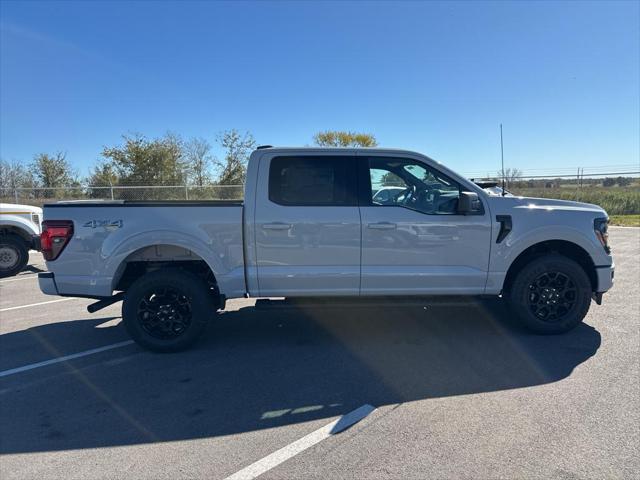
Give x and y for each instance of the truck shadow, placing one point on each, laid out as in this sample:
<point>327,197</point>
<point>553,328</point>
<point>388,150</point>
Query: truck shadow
<point>260,369</point>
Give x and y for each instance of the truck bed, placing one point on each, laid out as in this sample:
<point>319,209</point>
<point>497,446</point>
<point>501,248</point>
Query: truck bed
<point>106,236</point>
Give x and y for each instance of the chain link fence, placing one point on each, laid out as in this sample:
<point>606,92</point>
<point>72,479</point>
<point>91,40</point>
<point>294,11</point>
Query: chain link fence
<point>618,195</point>
<point>40,196</point>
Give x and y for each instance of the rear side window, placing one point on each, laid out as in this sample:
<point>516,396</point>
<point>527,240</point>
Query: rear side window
<point>313,181</point>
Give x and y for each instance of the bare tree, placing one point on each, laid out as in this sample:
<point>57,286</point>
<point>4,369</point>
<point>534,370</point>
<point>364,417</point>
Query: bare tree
<point>14,175</point>
<point>199,160</point>
<point>510,175</point>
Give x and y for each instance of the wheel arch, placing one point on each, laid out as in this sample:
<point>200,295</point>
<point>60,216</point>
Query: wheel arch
<point>158,256</point>
<point>17,229</point>
<point>565,248</point>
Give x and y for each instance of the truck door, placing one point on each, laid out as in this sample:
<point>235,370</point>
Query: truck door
<point>415,242</point>
<point>307,226</point>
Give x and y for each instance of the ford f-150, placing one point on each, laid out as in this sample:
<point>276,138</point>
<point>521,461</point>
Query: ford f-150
<point>310,225</point>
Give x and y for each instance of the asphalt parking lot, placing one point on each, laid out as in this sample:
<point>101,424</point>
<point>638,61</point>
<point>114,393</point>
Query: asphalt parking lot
<point>458,390</point>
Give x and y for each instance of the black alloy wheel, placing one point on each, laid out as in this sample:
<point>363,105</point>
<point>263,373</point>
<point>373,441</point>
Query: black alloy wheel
<point>167,310</point>
<point>552,296</point>
<point>165,313</point>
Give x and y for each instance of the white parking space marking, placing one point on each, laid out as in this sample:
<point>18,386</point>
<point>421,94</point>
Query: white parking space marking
<point>13,371</point>
<point>279,456</point>
<point>36,304</point>
<point>24,277</point>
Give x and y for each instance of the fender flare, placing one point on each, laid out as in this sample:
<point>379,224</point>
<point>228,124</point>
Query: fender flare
<point>115,255</point>
<point>512,247</point>
<point>24,226</point>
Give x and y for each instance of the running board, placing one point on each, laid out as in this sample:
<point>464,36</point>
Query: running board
<point>364,302</point>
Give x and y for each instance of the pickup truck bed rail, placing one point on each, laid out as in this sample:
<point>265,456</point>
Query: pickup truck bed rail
<point>148,203</point>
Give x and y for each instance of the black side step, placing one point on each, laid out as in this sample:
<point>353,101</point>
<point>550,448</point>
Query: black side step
<point>362,302</point>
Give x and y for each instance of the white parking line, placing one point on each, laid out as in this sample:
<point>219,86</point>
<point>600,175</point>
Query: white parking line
<point>23,277</point>
<point>36,304</point>
<point>279,456</point>
<point>13,371</point>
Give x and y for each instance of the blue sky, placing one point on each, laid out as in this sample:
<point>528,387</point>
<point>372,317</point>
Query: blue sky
<point>439,78</point>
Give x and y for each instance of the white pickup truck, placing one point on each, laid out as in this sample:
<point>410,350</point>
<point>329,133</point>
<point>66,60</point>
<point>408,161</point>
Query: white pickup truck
<point>310,226</point>
<point>19,233</point>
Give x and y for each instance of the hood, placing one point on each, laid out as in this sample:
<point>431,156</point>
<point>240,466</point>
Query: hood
<point>15,208</point>
<point>547,204</point>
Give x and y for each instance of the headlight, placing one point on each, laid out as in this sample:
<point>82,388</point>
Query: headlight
<point>601,227</point>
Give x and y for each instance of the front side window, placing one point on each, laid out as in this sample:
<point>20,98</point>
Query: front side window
<point>313,181</point>
<point>411,184</point>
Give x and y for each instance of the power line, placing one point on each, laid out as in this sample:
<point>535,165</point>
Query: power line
<point>604,169</point>
<point>552,176</point>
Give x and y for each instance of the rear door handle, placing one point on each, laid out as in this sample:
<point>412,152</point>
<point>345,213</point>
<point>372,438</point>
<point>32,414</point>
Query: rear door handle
<point>276,226</point>
<point>382,225</point>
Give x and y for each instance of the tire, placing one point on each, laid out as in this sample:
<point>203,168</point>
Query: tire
<point>167,310</point>
<point>14,255</point>
<point>550,295</point>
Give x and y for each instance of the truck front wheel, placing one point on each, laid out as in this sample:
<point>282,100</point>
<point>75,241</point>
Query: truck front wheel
<point>167,310</point>
<point>550,295</point>
<point>14,255</point>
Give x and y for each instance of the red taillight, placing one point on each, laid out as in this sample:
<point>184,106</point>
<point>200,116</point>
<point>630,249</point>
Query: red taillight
<point>54,237</point>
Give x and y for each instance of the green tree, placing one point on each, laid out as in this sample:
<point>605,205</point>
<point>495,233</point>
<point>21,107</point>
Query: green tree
<point>140,161</point>
<point>52,171</point>
<point>55,175</point>
<point>237,149</point>
<point>623,181</point>
<point>334,138</point>
<point>103,175</point>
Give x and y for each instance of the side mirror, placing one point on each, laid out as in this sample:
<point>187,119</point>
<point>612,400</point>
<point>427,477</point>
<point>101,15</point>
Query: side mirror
<point>469,203</point>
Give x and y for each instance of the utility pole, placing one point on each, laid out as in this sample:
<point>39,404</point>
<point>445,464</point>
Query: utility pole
<point>502,161</point>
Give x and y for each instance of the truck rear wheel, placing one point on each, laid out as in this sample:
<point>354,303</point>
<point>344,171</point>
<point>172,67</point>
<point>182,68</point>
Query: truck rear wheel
<point>551,294</point>
<point>167,310</point>
<point>14,255</point>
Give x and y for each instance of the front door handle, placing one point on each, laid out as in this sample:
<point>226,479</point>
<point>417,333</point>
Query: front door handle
<point>276,226</point>
<point>382,226</point>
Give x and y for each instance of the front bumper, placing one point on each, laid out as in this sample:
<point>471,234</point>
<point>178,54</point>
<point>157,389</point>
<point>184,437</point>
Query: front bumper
<point>47,283</point>
<point>605,275</point>
<point>35,243</point>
